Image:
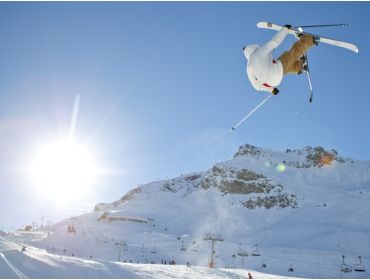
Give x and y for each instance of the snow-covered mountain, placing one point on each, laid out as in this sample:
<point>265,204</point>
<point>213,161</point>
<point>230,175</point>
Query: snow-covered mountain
<point>298,210</point>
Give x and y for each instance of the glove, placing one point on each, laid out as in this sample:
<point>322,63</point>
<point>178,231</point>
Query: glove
<point>275,91</point>
<point>288,26</point>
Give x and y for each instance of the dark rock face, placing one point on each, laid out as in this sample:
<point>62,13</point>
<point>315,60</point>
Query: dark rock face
<point>229,180</point>
<point>265,193</point>
<point>250,150</point>
<point>279,200</point>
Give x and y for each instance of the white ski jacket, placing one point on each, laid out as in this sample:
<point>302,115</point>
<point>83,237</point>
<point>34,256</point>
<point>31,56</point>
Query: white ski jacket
<point>264,72</point>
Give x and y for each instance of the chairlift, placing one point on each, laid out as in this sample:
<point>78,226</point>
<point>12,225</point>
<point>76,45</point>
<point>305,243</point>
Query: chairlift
<point>124,247</point>
<point>154,250</point>
<point>143,249</point>
<point>291,268</point>
<point>359,267</point>
<point>182,246</point>
<point>242,253</point>
<point>345,267</point>
<point>194,247</point>
<point>255,252</point>
<point>264,265</point>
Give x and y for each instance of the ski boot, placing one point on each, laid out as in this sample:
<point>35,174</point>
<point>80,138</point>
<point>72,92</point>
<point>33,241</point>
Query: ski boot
<point>304,68</point>
<point>316,40</point>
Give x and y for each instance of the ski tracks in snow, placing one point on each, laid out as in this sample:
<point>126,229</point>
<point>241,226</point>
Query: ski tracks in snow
<point>12,267</point>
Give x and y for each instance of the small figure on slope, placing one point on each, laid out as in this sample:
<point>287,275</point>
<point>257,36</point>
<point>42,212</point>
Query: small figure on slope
<point>264,72</point>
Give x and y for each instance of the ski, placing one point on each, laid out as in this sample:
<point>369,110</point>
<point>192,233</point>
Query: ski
<point>321,39</point>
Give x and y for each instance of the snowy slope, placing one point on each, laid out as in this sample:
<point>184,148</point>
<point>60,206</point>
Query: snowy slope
<point>35,263</point>
<point>304,208</point>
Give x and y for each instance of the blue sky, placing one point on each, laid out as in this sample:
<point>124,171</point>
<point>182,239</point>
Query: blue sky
<point>161,84</point>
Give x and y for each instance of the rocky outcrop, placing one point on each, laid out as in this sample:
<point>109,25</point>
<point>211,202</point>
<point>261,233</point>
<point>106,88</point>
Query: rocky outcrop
<point>248,150</point>
<point>279,200</point>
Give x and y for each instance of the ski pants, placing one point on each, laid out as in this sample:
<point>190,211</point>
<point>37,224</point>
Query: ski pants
<point>291,59</point>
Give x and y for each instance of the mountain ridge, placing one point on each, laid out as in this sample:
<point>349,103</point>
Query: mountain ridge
<point>307,203</point>
<point>307,157</point>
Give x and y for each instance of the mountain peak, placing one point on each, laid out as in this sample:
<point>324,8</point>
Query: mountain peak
<point>248,150</point>
<point>306,157</point>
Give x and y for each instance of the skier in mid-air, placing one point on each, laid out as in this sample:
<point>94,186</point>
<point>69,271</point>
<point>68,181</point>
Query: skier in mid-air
<point>264,72</point>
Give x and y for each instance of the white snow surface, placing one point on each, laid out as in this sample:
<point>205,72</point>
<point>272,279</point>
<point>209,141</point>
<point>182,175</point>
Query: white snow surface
<point>324,215</point>
<point>37,263</point>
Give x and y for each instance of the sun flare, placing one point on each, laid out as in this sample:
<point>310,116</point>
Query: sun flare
<point>63,170</point>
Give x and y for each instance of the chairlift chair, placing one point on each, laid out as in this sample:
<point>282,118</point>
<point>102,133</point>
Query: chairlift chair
<point>264,265</point>
<point>255,252</point>
<point>345,267</point>
<point>242,253</point>
<point>359,267</point>
<point>143,249</point>
<point>124,247</point>
<point>182,246</point>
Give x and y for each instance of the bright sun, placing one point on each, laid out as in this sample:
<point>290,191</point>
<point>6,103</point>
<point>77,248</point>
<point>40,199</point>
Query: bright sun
<point>63,170</point>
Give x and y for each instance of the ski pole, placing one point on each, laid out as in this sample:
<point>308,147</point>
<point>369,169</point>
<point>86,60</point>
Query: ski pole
<point>250,113</point>
<point>309,78</point>
<point>321,25</point>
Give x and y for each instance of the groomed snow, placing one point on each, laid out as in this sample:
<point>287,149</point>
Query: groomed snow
<point>35,263</point>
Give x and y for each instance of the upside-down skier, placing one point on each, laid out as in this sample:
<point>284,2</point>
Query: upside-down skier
<point>264,72</point>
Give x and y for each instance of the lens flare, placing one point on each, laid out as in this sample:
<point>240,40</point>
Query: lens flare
<point>280,167</point>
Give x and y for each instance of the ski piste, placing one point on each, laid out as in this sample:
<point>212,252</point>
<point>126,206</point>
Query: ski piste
<point>321,39</point>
